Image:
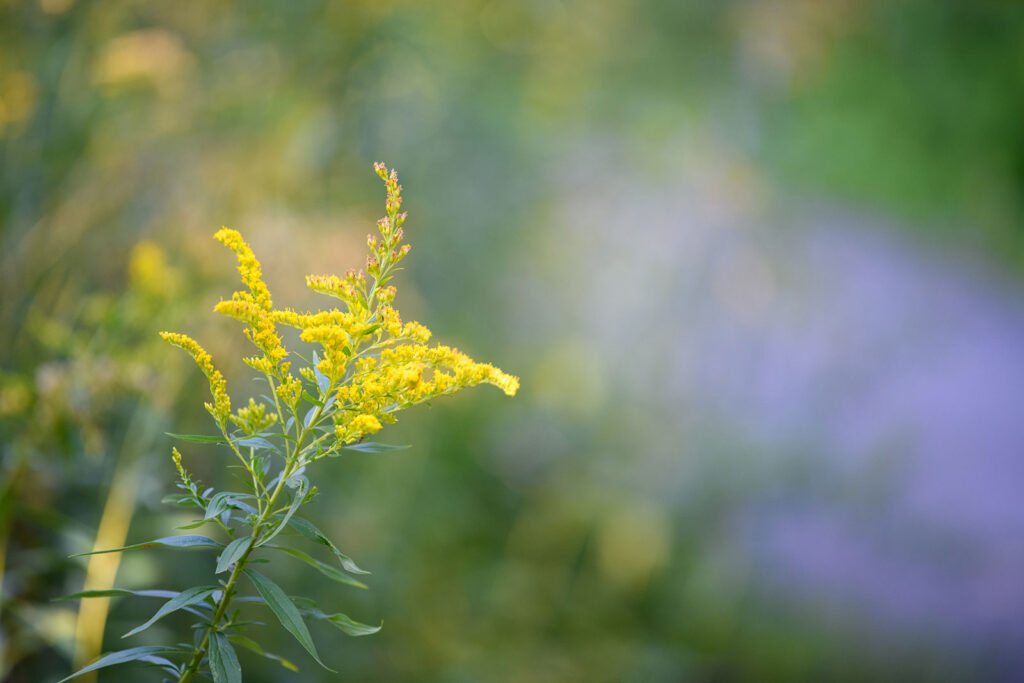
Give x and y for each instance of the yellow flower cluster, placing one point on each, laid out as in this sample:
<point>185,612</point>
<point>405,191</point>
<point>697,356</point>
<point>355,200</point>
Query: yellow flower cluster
<point>221,407</point>
<point>149,271</point>
<point>254,307</point>
<point>254,418</point>
<point>400,379</point>
<point>350,429</point>
<point>372,362</point>
<point>347,289</point>
<point>248,267</point>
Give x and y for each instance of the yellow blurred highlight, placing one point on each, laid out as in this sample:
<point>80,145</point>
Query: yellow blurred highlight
<point>149,271</point>
<point>152,56</point>
<point>633,544</point>
<point>18,96</point>
<point>55,6</point>
<point>102,569</point>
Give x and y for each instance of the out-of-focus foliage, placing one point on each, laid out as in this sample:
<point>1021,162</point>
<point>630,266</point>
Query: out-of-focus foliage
<point>913,108</point>
<point>559,153</point>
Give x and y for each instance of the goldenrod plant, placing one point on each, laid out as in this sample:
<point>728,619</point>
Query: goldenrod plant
<point>365,366</point>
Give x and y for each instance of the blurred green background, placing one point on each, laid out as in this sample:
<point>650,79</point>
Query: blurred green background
<point>757,262</point>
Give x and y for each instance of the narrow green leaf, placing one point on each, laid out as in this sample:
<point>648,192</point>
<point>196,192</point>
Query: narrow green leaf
<point>189,596</point>
<point>223,661</point>
<point>167,542</point>
<point>252,645</point>
<point>197,438</point>
<point>123,656</point>
<point>111,592</point>
<point>180,499</point>
<point>346,623</point>
<point>351,626</point>
<point>218,504</point>
<point>286,613</point>
<point>373,447</point>
<point>162,663</point>
<point>232,553</point>
<point>255,442</point>
<point>325,569</point>
<point>309,397</point>
<point>307,529</point>
<point>301,486</point>
<point>194,525</point>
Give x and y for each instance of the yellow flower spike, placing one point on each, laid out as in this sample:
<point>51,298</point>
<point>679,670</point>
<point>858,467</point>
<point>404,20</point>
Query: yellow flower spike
<point>221,407</point>
<point>332,285</point>
<point>176,457</point>
<point>248,267</point>
<point>255,307</point>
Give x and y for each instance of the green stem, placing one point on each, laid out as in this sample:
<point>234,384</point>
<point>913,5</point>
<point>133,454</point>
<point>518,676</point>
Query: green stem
<point>292,462</point>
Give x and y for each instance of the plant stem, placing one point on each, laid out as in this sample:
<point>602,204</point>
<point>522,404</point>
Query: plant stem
<point>291,464</point>
<point>225,598</point>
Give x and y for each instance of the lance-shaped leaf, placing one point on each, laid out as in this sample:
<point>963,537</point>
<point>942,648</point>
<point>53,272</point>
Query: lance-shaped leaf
<point>256,442</point>
<point>234,500</point>
<point>180,499</point>
<point>193,525</point>
<point>197,438</point>
<point>232,553</point>
<point>252,645</point>
<point>168,542</point>
<point>134,654</point>
<point>223,661</point>
<point>325,569</point>
<point>351,626</point>
<point>344,622</point>
<point>183,599</point>
<point>111,592</point>
<point>218,504</point>
<point>373,447</point>
<point>306,528</point>
<point>286,612</point>
<point>301,488</point>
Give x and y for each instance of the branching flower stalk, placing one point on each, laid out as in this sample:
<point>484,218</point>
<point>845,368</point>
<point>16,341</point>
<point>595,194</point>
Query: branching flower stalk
<point>367,366</point>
